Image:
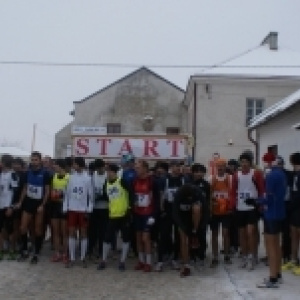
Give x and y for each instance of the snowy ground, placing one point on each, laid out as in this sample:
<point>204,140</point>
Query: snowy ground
<point>52,281</point>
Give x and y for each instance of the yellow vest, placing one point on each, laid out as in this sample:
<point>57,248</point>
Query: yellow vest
<point>58,186</point>
<point>118,199</point>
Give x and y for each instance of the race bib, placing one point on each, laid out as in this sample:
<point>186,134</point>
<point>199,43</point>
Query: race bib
<point>34,192</point>
<point>220,195</point>
<point>113,193</point>
<point>77,192</point>
<point>142,200</point>
<point>171,194</point>
<point>243,196</point>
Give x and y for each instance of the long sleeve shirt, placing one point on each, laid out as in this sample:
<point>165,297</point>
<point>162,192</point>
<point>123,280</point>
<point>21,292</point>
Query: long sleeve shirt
<point>273,202</point>
<point>79,193</point>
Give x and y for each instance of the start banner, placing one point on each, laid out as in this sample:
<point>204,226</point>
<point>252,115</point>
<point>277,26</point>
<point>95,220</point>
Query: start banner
<point>145,147</point>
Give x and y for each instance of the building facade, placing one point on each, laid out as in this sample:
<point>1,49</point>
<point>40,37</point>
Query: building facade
<point>220,102</point>
<point>142,103</point>
<point>277,129</point>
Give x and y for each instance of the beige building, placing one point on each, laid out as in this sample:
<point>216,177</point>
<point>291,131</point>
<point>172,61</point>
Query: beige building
<point>277,126</point>
<point>221,101</point>
<point>142,103</point>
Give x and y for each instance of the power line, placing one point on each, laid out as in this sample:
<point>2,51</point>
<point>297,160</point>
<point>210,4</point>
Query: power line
<point>132,65</point>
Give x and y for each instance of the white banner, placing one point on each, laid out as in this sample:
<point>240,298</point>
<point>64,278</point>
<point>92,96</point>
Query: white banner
<point>147,147</point>
<point>80,130</point>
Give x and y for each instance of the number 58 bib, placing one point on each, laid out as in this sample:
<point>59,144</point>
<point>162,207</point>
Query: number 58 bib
<point>34,192</point>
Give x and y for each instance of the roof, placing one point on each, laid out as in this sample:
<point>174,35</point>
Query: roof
<point>14,151</point>
<point>259,62</point>
<point>275,109</point>
<point>127,76</point>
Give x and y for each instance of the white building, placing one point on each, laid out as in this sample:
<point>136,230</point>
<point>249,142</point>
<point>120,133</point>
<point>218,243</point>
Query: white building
<point>142,103</point>
<point>276,128</point>
<point>221,101</point>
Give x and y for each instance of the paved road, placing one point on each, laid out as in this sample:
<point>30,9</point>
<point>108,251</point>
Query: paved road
<point>52,281</point>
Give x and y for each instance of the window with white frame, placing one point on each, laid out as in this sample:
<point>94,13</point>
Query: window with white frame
<point>254,107</point>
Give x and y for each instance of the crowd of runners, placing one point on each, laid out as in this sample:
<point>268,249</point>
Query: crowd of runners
<point>162,214</point>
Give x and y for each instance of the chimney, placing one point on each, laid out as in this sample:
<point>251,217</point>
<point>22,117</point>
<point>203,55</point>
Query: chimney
<point>271,40</point>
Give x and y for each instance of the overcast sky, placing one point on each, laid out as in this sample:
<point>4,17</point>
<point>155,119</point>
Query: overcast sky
<point>139,32</point>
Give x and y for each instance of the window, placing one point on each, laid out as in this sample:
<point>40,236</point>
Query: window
<point>172,130</point>
<point>254,108</point>
<point>113,128</point>
<point>208,90</point>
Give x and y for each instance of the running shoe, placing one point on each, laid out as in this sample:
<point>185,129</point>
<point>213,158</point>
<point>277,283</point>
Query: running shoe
<point>267,284</point>
<point>65,258</point>
<point>101,266</point>
<point>147,268</point>
<point>296,271</point>
<point>23,256</point>
<point>185,272</point>
<point>34,260</point>
<point>158,267</point>
<point>121,266</point>
<point>244,263</point>
<point>288,266</point>
<point>140,266</point>
<point>175,265</point>
<point>214,263</point>
<point>227,260</point>
<point>251,264</point>
<point>279,280</point>
<point>84,263</point>
<point>12,255</point>
<point>56,258</point>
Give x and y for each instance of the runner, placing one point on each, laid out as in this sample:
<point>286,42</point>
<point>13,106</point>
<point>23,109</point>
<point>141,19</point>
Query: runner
<point>187,214</point>
<point>221,208</point>
<point>295,216</point>
<point>286,227</point>
<point>144,214</point>
<point>169,243</point>
<point>274,214</point>
<point>19,169</point>
<point>33,200</point>
<point>99,217</point>
<point>8,184</point>
<point>247,183</point>
<point>58,218</point>
<point>78,204</point>
<point>199,172</point>
<point>118,192</point>
<point>232,167</point>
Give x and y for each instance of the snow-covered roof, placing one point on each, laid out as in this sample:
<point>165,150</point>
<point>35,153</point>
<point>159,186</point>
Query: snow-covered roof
<point>259,62</point>
<point>14,151</point>
<point>275,109</point>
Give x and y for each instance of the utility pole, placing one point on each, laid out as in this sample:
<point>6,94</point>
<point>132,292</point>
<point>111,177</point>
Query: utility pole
<point>33,137</point>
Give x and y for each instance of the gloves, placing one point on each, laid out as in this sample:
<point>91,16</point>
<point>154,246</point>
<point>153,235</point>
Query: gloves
<point>150,221</point>
<point>251,202</point>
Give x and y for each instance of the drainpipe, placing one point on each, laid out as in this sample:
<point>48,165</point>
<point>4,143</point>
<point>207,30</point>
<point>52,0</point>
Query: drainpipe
<point>195,121</point>
<point>256,145</point>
